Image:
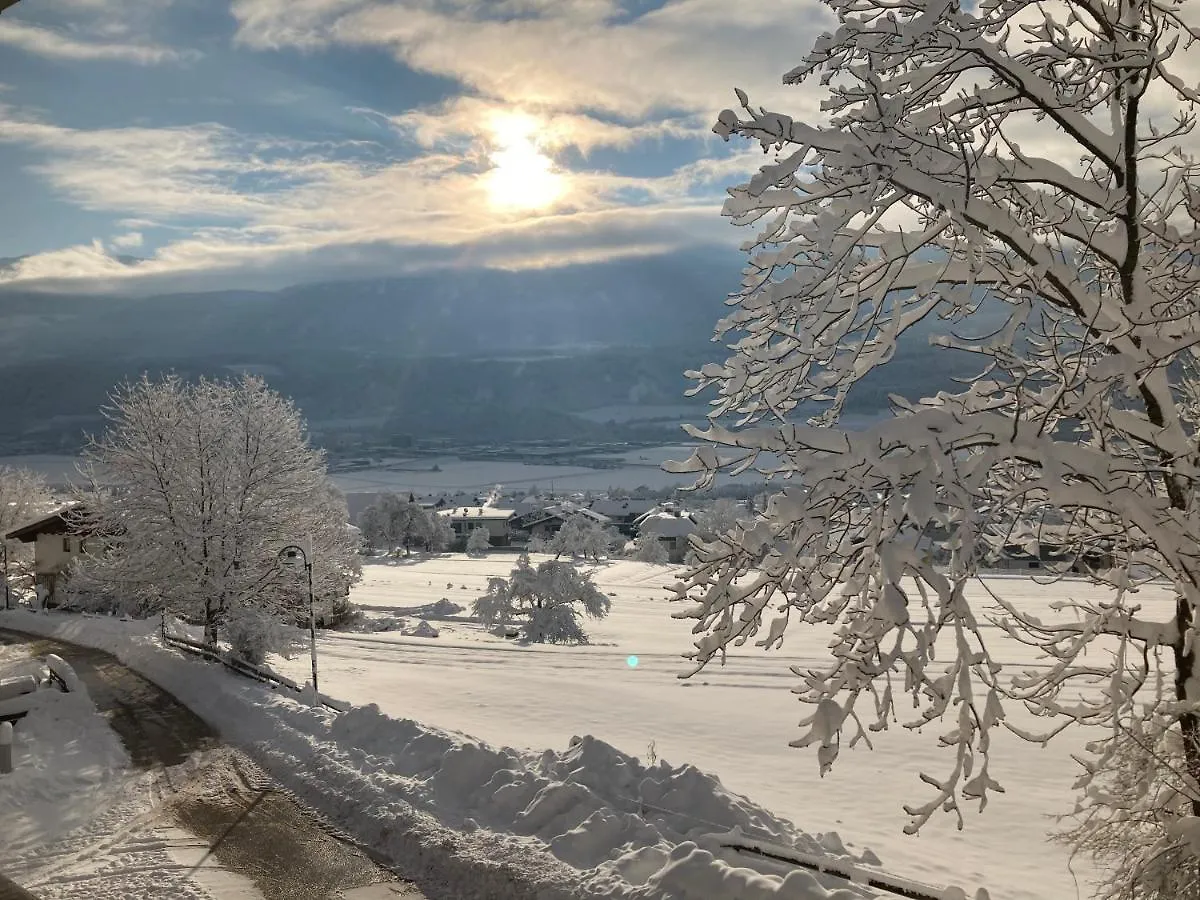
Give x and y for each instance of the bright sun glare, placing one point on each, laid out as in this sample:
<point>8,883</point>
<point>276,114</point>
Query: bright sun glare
<point>523,177</point>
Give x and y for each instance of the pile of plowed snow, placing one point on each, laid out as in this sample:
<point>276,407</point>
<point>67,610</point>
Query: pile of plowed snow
<point>589,821</point>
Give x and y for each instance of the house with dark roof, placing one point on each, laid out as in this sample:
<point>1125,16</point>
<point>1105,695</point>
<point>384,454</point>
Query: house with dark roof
<point>623,513</point>
<point>549,521</point>
<point>57,543</point>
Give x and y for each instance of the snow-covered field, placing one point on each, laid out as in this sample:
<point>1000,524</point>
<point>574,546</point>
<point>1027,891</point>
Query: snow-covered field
<point>477,822</point>
<point>595,778</point>
<point>734,722</point>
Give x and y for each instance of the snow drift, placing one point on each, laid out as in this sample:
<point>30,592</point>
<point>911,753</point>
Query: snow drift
<point>587,821</point>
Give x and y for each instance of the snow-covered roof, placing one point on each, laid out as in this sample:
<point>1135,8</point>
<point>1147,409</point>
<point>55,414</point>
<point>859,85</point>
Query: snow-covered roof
<point>630,507</point>
<point>667,523</point>
<point>481,513</point>
<point>54,523</point>
<point>564,511</point>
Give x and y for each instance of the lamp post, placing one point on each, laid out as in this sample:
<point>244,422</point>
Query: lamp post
<point>289,556</point>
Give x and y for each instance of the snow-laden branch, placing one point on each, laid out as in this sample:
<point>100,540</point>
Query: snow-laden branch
<point>915,208</point>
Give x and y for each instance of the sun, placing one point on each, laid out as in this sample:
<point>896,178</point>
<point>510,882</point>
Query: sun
<point>523,177</point>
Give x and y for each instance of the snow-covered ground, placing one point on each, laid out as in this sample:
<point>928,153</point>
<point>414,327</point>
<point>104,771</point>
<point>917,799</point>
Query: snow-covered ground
<point>566,795</point>
<point>493,822</point>
<point>68,765</point>
<point>733,722</point>
<point>78,821</point>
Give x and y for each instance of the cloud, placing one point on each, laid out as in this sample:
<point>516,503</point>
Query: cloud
<point>218,258</point>
<point>130,241</point>
<point>215,202</point>
<point>684,57</point>
<point>48,42</point>
<point>463,120</point>
<point>231,202</point>
<point>274,24</point>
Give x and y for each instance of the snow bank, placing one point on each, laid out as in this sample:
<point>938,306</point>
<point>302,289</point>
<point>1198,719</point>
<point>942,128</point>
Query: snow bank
<point>65,674</point>
<point>68,765</point>
<point>588,821</point>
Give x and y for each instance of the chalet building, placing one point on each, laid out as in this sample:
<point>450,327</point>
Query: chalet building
<point>464,519</point>
<point>672,527</point>
<point>55,547</point>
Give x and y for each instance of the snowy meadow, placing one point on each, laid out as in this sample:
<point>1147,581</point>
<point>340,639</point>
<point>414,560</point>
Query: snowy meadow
<point>734,722</point>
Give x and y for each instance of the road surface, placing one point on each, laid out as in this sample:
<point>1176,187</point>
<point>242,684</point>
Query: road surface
<point>219,806</point>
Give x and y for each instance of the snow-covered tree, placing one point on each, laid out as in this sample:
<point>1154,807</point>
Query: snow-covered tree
<point>435,532</point>
<point>1009,181</point>
<point>196,488</point>
<point>254,632</point>
<point>393,521</point>
<point>649,549</point>
<point>1139,823</point>
<point>546,602</point>
<point>478,541</point>
<point>24,497</point>
<point>719,518</point>
<point>581,536</point>
<point>375,524</point>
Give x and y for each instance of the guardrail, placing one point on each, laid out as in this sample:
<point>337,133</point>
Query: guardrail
<point>10,890</point>
<point>901,887</point>
<point>242,667</point>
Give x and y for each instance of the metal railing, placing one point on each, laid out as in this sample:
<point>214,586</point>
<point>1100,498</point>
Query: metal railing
<point>241,666</point>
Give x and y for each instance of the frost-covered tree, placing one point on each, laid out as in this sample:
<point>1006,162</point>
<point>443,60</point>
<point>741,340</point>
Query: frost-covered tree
<point>376,525</point>
<point>649,549</point>
<point>24,497</point>
<point>1139,822</point>
<point>195,488</point>
<point>719,518</point>
<point>582,537</point>
<point>478,541</point>
<point>393,521</point>
<point>1015,165</point>
<point>435,533</point>
<point>545,603</point>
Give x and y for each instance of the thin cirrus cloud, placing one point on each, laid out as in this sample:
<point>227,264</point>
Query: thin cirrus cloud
<point>54,44</point>
<point>622,103</point>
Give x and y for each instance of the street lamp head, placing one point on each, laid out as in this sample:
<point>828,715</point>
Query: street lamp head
<point>293,556</point>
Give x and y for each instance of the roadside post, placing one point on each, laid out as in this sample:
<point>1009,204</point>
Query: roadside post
<point>6,738</point>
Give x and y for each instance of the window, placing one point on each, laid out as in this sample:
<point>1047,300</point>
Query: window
<point>66,545</point>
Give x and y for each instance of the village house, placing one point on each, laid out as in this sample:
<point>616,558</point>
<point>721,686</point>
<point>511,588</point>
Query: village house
<point>672,527</point>
<point>55,547</point>
<point>545,523</point>
<point>623,513</point>
<point>463,519</point>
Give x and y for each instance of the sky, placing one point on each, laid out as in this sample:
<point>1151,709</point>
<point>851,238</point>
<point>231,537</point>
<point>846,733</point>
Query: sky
<point>255,143</point>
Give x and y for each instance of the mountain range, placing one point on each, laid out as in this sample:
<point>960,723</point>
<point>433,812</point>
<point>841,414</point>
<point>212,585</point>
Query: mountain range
<point>460,354</point>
